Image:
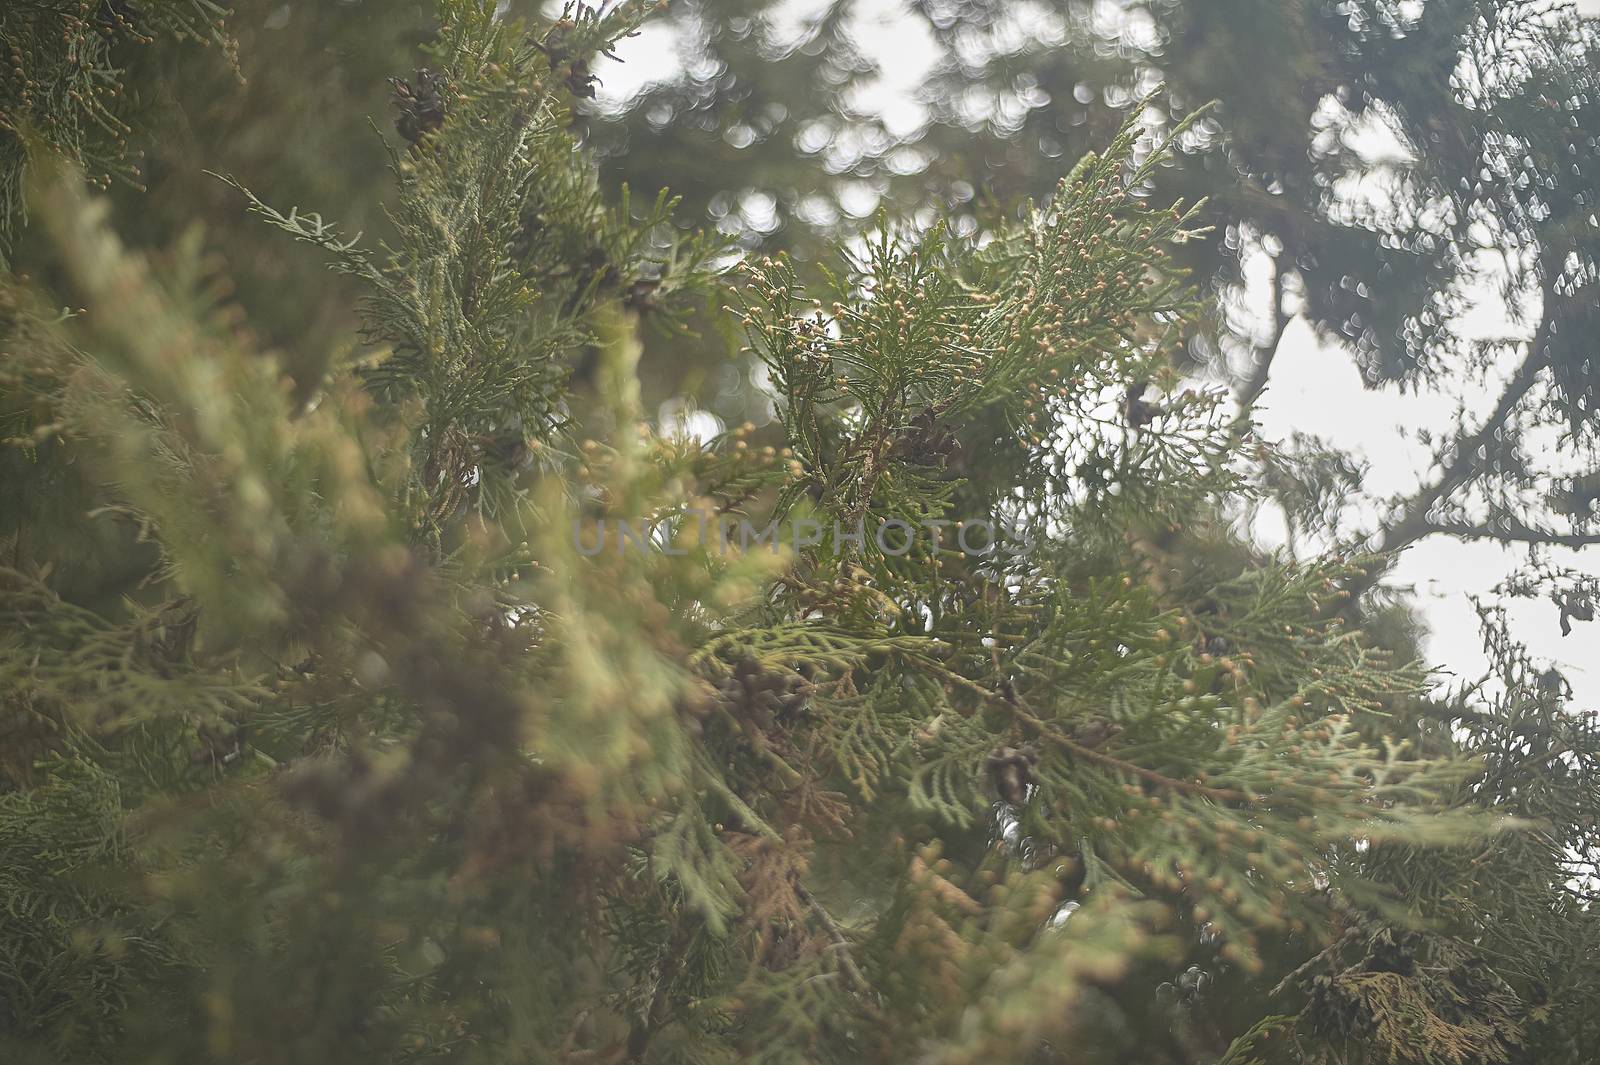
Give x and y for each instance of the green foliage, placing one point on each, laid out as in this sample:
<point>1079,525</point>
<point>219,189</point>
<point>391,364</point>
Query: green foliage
<point>61,80</point>
<point>366,756</point>
<point>1369,168</point>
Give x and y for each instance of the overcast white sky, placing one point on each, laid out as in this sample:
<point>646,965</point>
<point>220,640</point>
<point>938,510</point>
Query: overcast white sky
<point>1314,389</point>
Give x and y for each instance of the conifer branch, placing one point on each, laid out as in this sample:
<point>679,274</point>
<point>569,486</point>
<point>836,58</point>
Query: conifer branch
<point>841,942</point>
<point>1017,707</point>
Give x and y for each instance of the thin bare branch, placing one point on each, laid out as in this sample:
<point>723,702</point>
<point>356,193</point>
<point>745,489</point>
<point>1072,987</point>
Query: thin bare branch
<point>1511,531</point>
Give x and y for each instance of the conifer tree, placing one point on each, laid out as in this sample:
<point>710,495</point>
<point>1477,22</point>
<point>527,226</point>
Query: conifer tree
<point>61,82</point>
<point>1370,168</point>
<point>460,713</point>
